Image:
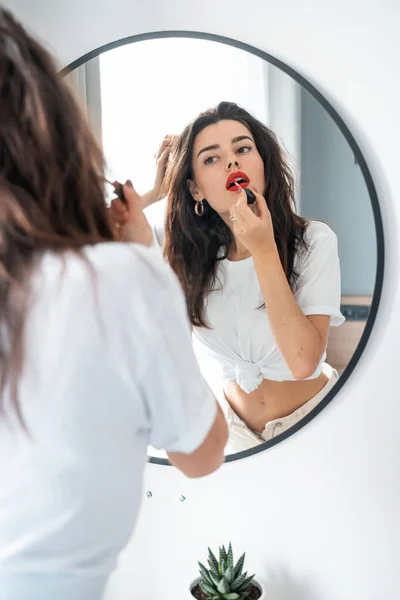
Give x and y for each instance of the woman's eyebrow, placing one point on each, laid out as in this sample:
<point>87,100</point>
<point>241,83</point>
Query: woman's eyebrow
<point>216,146</point>
<point>213,147</point>
<point>240,138</point>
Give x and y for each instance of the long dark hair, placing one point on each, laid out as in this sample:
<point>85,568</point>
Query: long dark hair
<point>194,245</point>
<point>51,181</point>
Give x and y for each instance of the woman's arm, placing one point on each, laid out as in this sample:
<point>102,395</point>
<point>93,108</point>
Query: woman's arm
<point>301,340</point>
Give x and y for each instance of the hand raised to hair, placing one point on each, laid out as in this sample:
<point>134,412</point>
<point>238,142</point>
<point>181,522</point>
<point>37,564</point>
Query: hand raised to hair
<point>162,158</point>
<point>128,221</point>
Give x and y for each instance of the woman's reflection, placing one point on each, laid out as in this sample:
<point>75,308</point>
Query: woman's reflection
<point>262,284</point>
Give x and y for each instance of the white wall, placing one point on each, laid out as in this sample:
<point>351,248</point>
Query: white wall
<point>285,119</point>
<point>318,513</point>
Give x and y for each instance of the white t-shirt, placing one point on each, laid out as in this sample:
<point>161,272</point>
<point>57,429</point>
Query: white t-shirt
<point>109,369</point>
<point>240,341</point>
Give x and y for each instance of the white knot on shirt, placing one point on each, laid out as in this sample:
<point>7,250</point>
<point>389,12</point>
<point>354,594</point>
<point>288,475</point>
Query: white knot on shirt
<point>248,375</point>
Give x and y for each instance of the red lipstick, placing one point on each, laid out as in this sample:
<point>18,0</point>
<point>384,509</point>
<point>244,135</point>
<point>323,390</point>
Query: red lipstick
<point>240,177</point>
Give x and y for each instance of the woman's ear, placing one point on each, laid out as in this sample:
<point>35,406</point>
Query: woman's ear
<point>193,189</point>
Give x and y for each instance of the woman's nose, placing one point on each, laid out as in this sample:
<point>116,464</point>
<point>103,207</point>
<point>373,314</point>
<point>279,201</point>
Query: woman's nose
<point>231,163</point>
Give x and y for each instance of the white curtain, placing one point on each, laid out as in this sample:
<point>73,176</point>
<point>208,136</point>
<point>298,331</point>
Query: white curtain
<point>86,84</point>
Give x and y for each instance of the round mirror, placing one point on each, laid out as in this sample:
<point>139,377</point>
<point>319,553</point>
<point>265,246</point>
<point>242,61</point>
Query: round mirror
<point>319,197</point>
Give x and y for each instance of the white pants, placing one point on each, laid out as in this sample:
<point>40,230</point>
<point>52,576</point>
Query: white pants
<point>241,437</point>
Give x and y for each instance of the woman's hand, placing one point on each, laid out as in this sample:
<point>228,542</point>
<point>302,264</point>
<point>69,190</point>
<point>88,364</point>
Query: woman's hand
<point>255,231</point>
<point>128,221</point>
<point>162,158</point>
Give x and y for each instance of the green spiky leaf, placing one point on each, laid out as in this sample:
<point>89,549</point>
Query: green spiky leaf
<point>245,585</point>
<point>212,561</point>
<point>223,586</point>
<point>229,575</point>
<point>239,565</point>
<point>230,557</point>
<point>205,575</point>
<point>222,555</point>
<point>216,580</point>
<point>215,575</point>
<point>208,589</point>
<point>232,596</point>
<point>238,582</point>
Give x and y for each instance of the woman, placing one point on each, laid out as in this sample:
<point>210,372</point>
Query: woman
<point>96,359</point>
<point>262,285</point>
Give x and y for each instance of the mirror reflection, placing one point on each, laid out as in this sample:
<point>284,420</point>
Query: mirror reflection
<point>278,282</point>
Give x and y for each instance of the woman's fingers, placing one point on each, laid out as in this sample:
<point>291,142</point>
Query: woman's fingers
<point>132,198</point>
<point>128,222</point>
<point>128,208</point>
<point>163,159</point>
<point>117,205</point>
<point>160,150</point>
<point>166,144</point>
<point>248,212</point>
<point>162,162</point>
<point>243,208</point>
<point>118,211</point>
<point>236,218</point>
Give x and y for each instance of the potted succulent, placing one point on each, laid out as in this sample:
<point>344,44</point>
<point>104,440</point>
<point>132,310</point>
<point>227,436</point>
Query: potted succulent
<point>225,580</point>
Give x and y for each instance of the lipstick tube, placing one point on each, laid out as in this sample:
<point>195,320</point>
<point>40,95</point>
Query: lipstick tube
<point>250,196</point>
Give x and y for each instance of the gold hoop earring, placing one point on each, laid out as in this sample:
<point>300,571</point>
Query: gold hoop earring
<point>199,208</point>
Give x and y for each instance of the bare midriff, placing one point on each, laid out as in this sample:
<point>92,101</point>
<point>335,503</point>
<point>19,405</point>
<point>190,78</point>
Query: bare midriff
<point>272,399</point>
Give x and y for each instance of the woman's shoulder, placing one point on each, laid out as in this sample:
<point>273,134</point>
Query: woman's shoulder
<point>125,276</point>
<point>109,262</point>
<point>120,255</point>
<point>318,230</point>
<point>130,262</point>
<point>319,240</point>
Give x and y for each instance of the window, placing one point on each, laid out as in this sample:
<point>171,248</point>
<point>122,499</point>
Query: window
<point>153,88</point>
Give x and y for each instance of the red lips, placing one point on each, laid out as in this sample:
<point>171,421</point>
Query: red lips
<point>231,181</point>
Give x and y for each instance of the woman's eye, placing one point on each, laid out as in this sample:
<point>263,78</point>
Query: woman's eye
<point>244,149</point>
<point>210,160</point>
